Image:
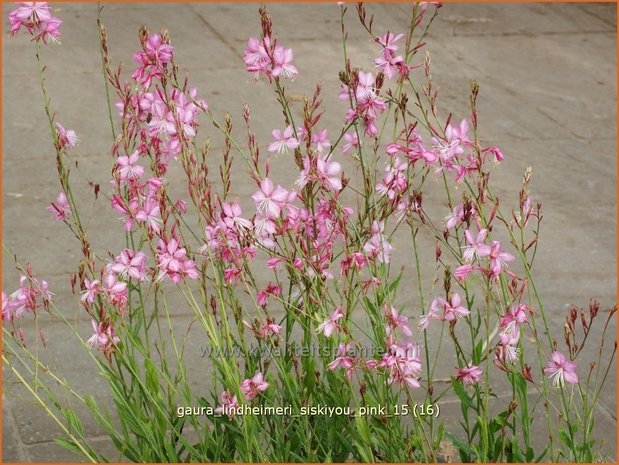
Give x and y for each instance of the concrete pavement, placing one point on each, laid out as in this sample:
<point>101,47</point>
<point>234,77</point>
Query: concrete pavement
<point>548,98</point>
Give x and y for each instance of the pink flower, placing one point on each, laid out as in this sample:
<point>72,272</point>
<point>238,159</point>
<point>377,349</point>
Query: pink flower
<point>283,141</point>
<point>274,263</point>
<point>232,216</point>
<point>404,364</point>
<point>351,142</point>
<point>229,404</point>
<point>388,41</point>
<point>256,56</point>
<point>150,214</point>
<point>37,19</point>
<point>162,120</point>
<point>456,217</point>
<point>377,248</point>
<point>321,140</point>
<point>173,263</point>
<point>31,295</point>
<point>498,258</point>
<point>476,247</point>
<point>32,11</point>
<point>343,359</point>
<point>92,289</point>
<point>157,51</point>
<point>269,199</point>
<point>331,325</point>
<point>232,275</point>
<point>61,208</point>
<point>129,264</point>
<point>271,290</point>
<point>463,272</point>
<point>254,386</point>
<point>459,133</point>
<point>66,137</point>
<point>389,63</point>
<point>516,316</point>
<point>151,60</point>
<point>356,260</point>
<point>116,291</point>
<point>496,152</point>
<point>127,168</point>
<point>282,59</point>
<point>329,174</point>
<point>452,310</point>
<point>507,350</point>
<point>7,307</point>
<point>394,180</point>
<point>104,337</point>
<point>128,210</point>
<point>49,30</point>
<point>365,88</point>
<point>395,320</point>
<point>424,321</point>
<point>269,328</point>
<point>470,374</point>
<point>561,369</point>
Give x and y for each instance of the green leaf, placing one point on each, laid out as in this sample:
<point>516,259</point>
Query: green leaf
<point>529,455</point>
<point>462,446</point>
<point>439,435</point>
<point>462,395</point>
<point>394,285</point>
<point>516,451</point>
<point>566,439</point>
<point>75,425</point>
<point>70,445</point>
<point>541,456</point>
<point>152,378</point>
<point>477,351</point>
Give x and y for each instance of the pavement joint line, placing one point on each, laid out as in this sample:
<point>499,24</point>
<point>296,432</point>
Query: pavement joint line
<point>601,18</point>
<point>528,34</point>
<point>606,409</point>
<point>214,30</point>
<point>22,451</point>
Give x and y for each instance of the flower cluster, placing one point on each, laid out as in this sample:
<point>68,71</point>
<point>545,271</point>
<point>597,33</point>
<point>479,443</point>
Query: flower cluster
<point>444,310</point>
<point>104,337</point>
<point>509,335</point>
<point>110,288</point>
<point>388,62</point>
<point>451,151</point>
<point>31,295</point>
<point>401,360</point>
<point>250,387</point>
<point>165,122</point>
<point>152,60</point>
<point>266,56</point>
<point>37,19</point>
<point>363,94</point>
<point>173,263</point>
